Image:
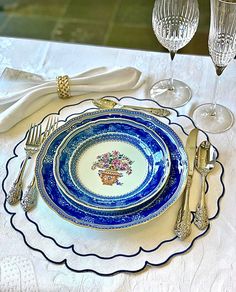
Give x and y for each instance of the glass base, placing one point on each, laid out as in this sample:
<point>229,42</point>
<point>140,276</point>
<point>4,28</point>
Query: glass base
<point>176,97</point>
<point>206,120</point>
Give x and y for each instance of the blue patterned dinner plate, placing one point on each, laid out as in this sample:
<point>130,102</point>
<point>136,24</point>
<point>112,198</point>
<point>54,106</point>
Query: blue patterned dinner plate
<point>111,164</point>
<point>85,216</point>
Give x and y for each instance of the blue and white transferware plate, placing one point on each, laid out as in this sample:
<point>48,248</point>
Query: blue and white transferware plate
<point>85,216</point>
<point>111,164</point>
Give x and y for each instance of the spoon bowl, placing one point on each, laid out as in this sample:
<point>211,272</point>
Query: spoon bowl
<point>104,103</point>
<point>206,158</point>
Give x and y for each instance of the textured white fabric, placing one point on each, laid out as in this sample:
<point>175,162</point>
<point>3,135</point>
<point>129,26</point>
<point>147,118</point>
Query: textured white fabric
<point>210,265</point>
<point>41,92</point>
<point>17,274</point>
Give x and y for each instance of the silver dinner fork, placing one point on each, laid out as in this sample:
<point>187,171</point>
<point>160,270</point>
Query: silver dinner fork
<point>32,146</point>
<point>29,197</point>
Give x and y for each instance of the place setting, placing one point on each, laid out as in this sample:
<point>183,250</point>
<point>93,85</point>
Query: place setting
<point>115,184</point>
<point>110,171</point>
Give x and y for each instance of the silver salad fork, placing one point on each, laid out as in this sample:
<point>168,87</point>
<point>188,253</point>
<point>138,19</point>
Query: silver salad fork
<point>32,146</point>
<point>29,198</point>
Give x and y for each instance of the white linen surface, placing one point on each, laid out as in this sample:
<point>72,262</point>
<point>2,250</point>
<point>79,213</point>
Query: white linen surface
<point>210,265</point>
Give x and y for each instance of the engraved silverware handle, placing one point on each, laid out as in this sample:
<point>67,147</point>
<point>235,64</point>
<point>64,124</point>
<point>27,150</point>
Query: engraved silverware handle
<point>201,216</point>
<point>183,223</point>
<point>161,112</point>
<point>16,189</point>
<point>29,198</point>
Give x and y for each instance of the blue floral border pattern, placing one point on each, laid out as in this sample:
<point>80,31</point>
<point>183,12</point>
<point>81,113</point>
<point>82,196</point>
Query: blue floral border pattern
<point>141,249</point>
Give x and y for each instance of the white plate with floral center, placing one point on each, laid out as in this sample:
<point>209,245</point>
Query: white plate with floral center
<point>111,164</point>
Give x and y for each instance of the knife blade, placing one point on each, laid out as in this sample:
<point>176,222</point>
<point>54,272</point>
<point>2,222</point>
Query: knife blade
<point>191,148</point>
<point>183,222</point>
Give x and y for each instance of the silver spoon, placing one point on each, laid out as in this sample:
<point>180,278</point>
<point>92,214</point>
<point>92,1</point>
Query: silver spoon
<point>205,162</point>
<point>104,103</point>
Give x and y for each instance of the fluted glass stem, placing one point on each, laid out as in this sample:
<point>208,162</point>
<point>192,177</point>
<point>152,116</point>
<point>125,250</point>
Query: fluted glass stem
<point>216,86</point>
<point>171,80</point>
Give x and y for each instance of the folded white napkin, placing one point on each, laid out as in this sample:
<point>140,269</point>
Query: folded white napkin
<point>23,103</point>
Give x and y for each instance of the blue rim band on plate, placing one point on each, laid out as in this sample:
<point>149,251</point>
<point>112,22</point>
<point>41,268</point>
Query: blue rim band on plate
<point>146,141</point>
<point>98,219</point>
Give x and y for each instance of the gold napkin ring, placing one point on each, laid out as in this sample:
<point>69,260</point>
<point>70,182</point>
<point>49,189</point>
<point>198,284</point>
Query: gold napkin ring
<point>63,87</point>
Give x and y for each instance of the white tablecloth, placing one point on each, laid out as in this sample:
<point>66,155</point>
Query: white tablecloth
<point>210,265</point>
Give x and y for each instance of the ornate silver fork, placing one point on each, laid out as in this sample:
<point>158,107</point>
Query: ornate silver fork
<point>32,146</point>
<point>29,198</point>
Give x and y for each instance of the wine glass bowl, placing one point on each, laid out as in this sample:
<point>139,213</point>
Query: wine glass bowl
<point>174,32</point>
<point>222,49</point>
<point>174,24</point>
<point>221,40</point>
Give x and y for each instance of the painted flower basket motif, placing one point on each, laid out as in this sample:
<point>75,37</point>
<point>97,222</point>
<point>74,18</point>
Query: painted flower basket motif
<point>111,167</point>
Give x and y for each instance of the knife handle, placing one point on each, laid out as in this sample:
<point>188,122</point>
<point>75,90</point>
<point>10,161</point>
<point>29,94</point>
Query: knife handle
<point>183,222</point>
<point>160,112</point>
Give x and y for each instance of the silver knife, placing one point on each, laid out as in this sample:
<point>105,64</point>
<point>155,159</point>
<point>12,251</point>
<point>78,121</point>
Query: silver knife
<point>183,222</point>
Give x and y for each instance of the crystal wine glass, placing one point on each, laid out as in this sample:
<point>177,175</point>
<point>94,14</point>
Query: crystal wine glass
<point>213,117</point>
<point>174,23</point>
